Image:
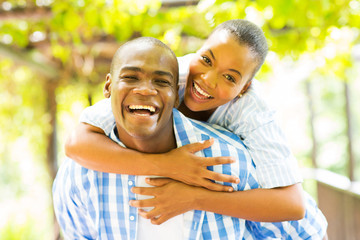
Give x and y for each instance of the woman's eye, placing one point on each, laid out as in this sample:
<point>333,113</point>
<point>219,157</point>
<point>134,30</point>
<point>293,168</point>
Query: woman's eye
<point>230,78</point>
<point>206,60</point>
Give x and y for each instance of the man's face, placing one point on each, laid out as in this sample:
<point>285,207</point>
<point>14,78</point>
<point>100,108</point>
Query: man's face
<point>143,91</point>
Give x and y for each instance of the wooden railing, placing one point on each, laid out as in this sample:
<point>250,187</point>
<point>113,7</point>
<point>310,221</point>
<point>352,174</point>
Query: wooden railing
<point>339,200</point>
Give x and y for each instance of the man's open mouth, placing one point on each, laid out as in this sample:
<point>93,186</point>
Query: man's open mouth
<point>200,93</point>
<point>142,110</point>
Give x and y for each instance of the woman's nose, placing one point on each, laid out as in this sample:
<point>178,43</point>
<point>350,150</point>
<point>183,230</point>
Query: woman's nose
<point>209,78</point>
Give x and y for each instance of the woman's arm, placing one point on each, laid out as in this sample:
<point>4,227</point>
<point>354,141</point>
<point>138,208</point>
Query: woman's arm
<point>266,205</point>
<point>89,147</point>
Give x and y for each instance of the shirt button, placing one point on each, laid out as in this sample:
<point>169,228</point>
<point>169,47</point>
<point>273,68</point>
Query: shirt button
<point>132,218</point>
<point>130,183</point>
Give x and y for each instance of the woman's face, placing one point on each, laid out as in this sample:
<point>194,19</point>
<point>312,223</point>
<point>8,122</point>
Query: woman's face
<point>218,72</point>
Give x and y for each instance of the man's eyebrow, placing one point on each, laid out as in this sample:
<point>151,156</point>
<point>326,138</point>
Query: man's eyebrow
<point>236,71</point>
<point>212,54</point>
<point>129,68</point>
<point>163,73</point>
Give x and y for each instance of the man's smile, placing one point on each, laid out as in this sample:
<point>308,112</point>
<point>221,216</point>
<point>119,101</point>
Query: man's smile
<point>142,110</point>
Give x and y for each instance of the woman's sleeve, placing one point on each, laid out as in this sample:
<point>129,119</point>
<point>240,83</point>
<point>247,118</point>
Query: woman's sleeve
<point>99,115</point>
<point>312,226</point>
<point>255,123</point>
<point>275,164</point>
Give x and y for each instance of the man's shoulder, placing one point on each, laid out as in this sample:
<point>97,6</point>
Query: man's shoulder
<point>205,129</point>
<point>104,103</point>
<point>217,132</point>
<point>70,168</point>
<point>99,115</point>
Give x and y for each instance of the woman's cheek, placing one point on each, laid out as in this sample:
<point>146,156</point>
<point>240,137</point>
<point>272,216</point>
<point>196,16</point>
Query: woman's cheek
<point>227,94</point>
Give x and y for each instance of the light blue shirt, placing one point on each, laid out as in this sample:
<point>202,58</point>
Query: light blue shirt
<point>94,205</point>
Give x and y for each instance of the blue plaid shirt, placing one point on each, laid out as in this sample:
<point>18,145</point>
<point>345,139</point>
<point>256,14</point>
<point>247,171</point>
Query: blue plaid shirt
<point>94,205</point>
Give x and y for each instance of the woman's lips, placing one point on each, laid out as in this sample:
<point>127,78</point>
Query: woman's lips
<point>199,92</point>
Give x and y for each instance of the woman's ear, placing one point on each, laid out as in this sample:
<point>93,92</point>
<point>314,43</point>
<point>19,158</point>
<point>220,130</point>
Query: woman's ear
<point>245,88</point>
<point>107,86</point>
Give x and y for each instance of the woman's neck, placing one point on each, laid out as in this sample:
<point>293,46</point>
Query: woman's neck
<point>201,115</point>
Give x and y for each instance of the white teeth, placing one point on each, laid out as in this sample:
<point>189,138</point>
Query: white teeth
<point>142,107</point>
<point>199,90</point>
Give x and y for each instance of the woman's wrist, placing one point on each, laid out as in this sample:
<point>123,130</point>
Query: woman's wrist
<point>199,196</point>
<point>157,163</point>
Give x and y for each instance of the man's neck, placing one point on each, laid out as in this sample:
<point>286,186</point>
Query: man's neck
<point>157,144</point>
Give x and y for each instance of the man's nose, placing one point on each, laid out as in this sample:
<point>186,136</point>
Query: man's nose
<point>145,88</point>
<point>209,78</point>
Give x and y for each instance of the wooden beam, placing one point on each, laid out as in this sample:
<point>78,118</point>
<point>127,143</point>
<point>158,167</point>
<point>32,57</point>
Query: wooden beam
<point>37,13</point>
<point>35,61</point>
<point>178,3</point>
<point>33,13</point>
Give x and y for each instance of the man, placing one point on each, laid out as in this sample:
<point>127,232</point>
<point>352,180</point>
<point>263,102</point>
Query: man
<point>143,87</point>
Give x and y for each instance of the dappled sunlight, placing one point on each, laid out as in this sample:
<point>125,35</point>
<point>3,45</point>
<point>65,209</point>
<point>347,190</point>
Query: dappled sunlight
<point>54,57</point>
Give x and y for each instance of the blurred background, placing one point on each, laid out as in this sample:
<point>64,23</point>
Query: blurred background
<point>54,56</point>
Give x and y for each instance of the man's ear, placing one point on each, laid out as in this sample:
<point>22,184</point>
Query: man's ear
<point>177,100</point>
<point>107,86</point>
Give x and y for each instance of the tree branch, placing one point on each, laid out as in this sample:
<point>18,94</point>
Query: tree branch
<point>35,61</point>
<point>34,13</point>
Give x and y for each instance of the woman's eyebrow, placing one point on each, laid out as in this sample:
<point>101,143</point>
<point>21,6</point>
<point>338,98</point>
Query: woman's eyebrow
<point>236,71</point>
<point>211,53</point>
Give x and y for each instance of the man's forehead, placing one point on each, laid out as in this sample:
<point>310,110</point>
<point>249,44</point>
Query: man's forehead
<point>155,56</point>
<point>135,47</point>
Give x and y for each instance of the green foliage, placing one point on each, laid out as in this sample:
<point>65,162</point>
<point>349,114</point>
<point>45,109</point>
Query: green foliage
<point>27,229</point>
<point>15,232</point>
<point>323,29</point>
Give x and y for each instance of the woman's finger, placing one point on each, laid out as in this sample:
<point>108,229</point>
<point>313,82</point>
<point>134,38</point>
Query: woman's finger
<point>195,147</point>
<point>158,182</point>
<point>211,161</point>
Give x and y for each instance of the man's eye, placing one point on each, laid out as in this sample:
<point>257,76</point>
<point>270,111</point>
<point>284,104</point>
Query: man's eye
<point>163,82</point>
<point>230,78</point>
<point>129,77</point>
<point>206,60</point>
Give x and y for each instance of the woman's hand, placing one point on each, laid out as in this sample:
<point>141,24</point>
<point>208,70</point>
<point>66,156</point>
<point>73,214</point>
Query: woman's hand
<point>183,165</point>
<point>171,198</point>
